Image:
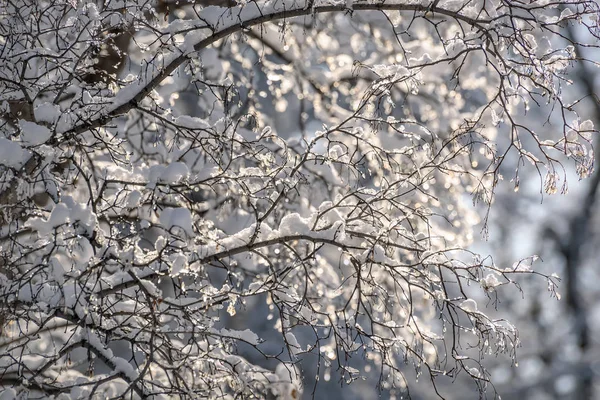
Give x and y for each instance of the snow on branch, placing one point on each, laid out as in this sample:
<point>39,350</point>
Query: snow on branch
<point>245,201</point>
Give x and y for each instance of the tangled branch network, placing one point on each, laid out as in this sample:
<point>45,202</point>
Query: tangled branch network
<point>236,200</point>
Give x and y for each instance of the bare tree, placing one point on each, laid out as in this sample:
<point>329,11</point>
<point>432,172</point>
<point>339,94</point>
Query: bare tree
<point>166,167</point>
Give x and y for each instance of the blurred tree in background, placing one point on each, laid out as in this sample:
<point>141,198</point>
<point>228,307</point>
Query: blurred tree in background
<point>562,230</point>
<point>223,199</point>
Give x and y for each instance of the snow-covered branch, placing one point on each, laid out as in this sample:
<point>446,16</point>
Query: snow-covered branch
<point>195,202</point>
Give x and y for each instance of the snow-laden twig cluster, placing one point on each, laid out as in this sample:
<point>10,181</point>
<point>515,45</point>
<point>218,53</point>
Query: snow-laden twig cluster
<point>170,171</point>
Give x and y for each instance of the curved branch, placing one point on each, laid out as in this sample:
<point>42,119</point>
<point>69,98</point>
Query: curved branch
<point>238,19</point>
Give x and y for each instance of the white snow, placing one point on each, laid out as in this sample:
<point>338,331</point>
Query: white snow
<point>175,173</point>
<point>120,364</point>
<point>178,264</point>
<point>469,305</point>
<point>63,213</point>
<point>8,394</point>
<point>47,112</point>
<point>490,282</point>
<point>246,335</point>
<point>172,174</point>
<point>123,366</point>
<point>177,217</point>
<point>58,217</point>
<point>12,154</point>
<point>294,346</point>
<point>294,224</point>
<point>185,121</point>
<point>133,200</point>
<point>33,134</point>
<point>290,384</point>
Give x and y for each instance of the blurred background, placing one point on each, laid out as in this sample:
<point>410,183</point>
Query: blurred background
<point>559,357</point>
